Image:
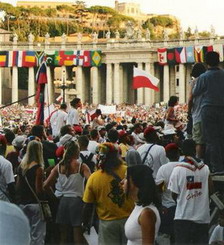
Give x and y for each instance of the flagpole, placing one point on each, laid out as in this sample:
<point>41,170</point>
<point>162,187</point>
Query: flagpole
<point>9,104</point>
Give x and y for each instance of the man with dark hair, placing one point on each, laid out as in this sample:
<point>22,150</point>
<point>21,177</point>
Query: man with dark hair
<point>93,143</point>
<point>211,85</point>
<point>58,120</point>
<point>189,184</point>
<point>137,130</point>
<point>73,115</point>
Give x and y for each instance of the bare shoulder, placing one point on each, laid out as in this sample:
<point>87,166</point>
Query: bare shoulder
<point>147,216</point>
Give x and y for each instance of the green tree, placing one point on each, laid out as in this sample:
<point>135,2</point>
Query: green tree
<point>162,21</point>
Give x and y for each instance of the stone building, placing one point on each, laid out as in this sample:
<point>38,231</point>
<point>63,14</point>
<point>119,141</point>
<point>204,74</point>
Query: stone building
<point>43,4</point>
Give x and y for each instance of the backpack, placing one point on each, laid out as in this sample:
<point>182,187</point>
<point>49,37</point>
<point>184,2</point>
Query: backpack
<point>88,161</point>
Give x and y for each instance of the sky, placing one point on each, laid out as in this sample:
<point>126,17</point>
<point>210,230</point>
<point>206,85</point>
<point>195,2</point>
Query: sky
<point>191,13</point>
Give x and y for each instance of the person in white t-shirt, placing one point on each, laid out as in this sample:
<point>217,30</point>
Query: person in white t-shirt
<point>217,236</point>
<point>93,143</point>
<point>152,155</point>
<point>73,115</point>
<point>162,181</point>
<point>85,154</point>
<point>7,181</point>
<point>58,120</point>
<point>189,184</point>
<point>137,130</point>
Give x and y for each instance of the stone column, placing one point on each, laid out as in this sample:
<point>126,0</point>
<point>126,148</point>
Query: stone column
<point>95,83</point>
<point>80,84</point>
<point>109,84</point>
<point>15,84</point>
<point>148,92</point>
<point>125,83</point>
<point>0,86</point>
<point>182,98</point>
<point>31,85</point>
<point>121,72</point>
<point>31,76</point>
<point>50,86</point>
<point>117,91</point>
<point>166,84</point>
<point>15,94</point>
<point>140,91</point>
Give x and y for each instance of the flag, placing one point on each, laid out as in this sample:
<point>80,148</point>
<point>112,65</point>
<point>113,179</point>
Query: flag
<point>3,58</point>
<point>39,57</point>
<point>28,59</point>
<point>207,49</point>
<point>64,58</point>
<point>180,55</point>
<point>79,57</point>
<point>59,98</point>
<point>41,79</point>
<point>142,79</point>
<point>219,49</point>
<point>198,54</point>
<point>162,58</point>
<point>15,58</point>
<point>49,58</point>
<point>171,56</point>
<point>87,59</point>
<point>190,54</point>
<point>96,58</point>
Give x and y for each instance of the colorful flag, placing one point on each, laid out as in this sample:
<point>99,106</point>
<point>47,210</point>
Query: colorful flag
<point>59,98</point>
<point>162,56</point>
<point>49,58</point>
<point>64,58</point>
<point>171,56</point>
<point>39,57</point>
<point>198,54</point>
<point>29,59</point>
<point>190,54</point>
<point>96,58</point>
<point>219,49</point>
<point>3,58</point>
<point>142,79</point>
<point>87,59</point>
<point>41,79</point>
<point>79,57</point>
<point>180,55</point>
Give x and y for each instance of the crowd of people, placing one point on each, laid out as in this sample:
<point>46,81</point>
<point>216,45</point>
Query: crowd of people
<point>138,176</point>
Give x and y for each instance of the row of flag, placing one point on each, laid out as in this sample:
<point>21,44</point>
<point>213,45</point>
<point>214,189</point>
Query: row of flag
<point>172,56</point>
<point>84,58</point>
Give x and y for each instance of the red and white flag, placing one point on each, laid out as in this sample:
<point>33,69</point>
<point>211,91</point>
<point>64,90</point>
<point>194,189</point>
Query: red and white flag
<point>162,56</point>
<point>59,98</point>
<point>142,79</point>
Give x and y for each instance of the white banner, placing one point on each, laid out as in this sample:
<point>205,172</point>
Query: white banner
<point>107,109</point>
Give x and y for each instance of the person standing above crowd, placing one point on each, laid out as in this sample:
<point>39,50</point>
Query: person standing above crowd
<point>211,86</point>
<point>136,131</point>
<point>58,120</point>
<point>143,223</point>
<point>73,114</point>
<point>194,110</point>
<point>170,117</point>
<point>96,120</point>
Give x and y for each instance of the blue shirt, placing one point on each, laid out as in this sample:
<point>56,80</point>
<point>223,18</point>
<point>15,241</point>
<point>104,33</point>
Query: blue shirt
<point>211,86</point>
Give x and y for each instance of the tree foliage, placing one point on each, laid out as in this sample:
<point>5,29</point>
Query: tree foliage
<point>162,21</point>
<point>102,10</point>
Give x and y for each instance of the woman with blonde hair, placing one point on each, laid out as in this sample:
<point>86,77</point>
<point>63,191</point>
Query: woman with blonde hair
<point>69,176</point>
<point>30,179</point>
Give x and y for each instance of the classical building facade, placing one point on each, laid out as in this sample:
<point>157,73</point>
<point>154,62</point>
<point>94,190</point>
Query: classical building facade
<point>110,83</point>
<point>43,4</point>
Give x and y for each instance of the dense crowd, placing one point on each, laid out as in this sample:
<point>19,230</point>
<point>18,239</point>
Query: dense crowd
<point>134,176</point>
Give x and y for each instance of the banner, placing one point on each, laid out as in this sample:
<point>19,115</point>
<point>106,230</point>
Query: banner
<point>107,109</point>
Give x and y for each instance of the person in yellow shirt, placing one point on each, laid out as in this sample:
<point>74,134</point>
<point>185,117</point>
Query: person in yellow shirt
<point>103,189</point>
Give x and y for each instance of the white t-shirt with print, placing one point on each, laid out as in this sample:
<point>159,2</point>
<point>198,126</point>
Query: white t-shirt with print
<point>163,176</point>
<point>155,158</point>
<point>192,190</point>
